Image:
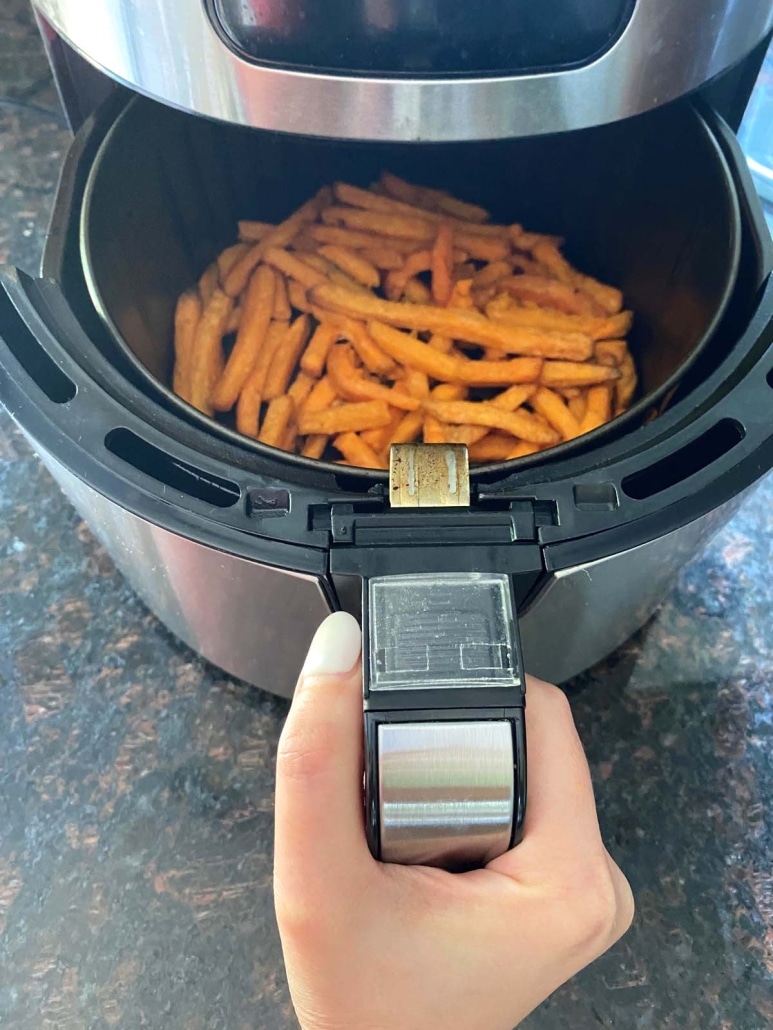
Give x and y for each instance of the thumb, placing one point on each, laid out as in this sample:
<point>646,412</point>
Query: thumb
<point>320,834</point>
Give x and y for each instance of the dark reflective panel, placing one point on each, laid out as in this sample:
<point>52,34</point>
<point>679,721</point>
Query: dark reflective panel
<point>423,37</point>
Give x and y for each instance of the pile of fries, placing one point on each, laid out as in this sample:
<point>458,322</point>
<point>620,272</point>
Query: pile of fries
<point>399,313</point>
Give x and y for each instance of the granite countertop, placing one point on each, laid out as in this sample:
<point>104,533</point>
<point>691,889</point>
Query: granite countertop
<point>136,781</point>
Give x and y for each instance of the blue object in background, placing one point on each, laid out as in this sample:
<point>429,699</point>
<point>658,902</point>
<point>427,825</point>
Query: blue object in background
<point>756,135</point>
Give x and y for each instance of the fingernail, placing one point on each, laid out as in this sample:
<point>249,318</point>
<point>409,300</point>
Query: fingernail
<point>335,648</point>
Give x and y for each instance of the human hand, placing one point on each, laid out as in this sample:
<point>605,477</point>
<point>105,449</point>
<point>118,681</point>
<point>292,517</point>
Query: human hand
<point>370,946</point>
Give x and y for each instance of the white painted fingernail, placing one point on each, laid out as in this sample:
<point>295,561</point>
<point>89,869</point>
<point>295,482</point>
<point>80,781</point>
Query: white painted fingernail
<point>335,648</point>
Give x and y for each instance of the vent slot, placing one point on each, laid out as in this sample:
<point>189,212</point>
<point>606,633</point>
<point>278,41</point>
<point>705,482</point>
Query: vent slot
<point>693,458</point>
<point>188,479</point>
<point>22,343</point>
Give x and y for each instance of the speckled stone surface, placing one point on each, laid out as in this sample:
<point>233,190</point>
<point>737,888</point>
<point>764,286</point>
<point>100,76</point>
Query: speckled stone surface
<point>136,782</point>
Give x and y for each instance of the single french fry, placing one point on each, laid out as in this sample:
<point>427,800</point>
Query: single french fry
<point>373,357</point>
<point>315,446</point>
<point>282,309</point>
<point>518,423</point>
<point>578,406</point>
<point>599,407</point>
<point>186,320</point>
<point>322,395</point>
<point>529,240</point>
<point>396,281</point>
<point>543,318</point>
<point>294,268</point>
<point>357,452</point>
<point>442,263</point>
<point>610,352</point>
<point>251,397</point>
<point>234,319</point>
<point>352,263</point>
<point>492,447</point>
<point>348,418</point>
<point>380,439</point>
<point>508,400</point>
<point>286,358</point>
<point>407,430</point>
<point>522,449</point>
<point>576,373</point>
<point>384,258</point>
<point>449,392</point>
<point>254,232</point>
<point>416,383</point>
<point>492,273</point>
<point>547,293</point>
<point>278,238</point>
<point>207,359</point>
<point>300,389</point>
<point>500,373</point>
<point>441,343</point>
<point>382,224</point>
<point>548,404</point>
<point>407,350</point>
<point>258,306</point>
<point>314,357</point>
<point>464,325</point>
<point>416,292</point>
<point>351,384</point>
<point>275,423</point>
<point>298,296</point>
<point>332,272</point>
<point>228,259</point>
<point>390,205</point>
<point>461,209</point>
<point>361,240</point>
<point>434,430</point>
<point>208,283</point>
<point>609,299</point>
<point>626,386</point>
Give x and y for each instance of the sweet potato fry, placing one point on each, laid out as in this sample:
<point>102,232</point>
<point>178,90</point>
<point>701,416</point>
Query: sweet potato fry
<point>254,232</point>
<point>464,325</point>
<point>354,264</point>
<point>609,299</point>
<point>228,259</point>
<point>492,273</point>
<point>626,385</point>
<point>294,268</point>
<point>449,392</point>
<point>578,406</point>
<point>286,358</point>
<point>416,292</point>
<point>542,318</point>
<point>434,430</point>
<point>492,447</point>
<point>373,357</point>
<point>598,408</point>
<point>407,350</point>
<point>441,343</point>
<point>186,320</point>
<point>278,237</point>
<point>348,418</point>
<point>352,385</point>
<point>547,293</point>
<point>392,225</point>
<point>361,240</point>
<point>275,423</point>
<point>314,357</point>
<point>500,373</point>
<point>207,359</point>
<point>251,397</point>
<point>522,449</point>
<point>357,452</point>
<point>442,263</point>
<point>208,283</point>
<point>321,397</point>
<point>518,423</point>
<point>256,317</point>
<point>282,310</point>
<point>384,258</point>
<point>315,445</point>
<point>416,383</point>
<point>576,373</point>
<point>437,209</point>
<point>547,403</point>
<point>300,389</point>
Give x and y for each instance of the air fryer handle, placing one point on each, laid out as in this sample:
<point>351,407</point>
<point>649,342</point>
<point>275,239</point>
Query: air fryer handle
<point>445,742</point>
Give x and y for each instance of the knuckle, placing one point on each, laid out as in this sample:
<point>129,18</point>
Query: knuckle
<point>304,753</point>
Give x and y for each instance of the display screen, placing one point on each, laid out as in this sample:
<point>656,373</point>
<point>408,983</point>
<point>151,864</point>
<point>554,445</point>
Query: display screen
<point>422,37</point>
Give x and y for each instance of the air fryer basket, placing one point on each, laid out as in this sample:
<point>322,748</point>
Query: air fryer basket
<point>647,204</point>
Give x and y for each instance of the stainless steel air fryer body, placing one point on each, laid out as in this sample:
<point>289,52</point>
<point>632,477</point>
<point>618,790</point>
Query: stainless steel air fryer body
<point>437,70</point>
<point>241,549</point>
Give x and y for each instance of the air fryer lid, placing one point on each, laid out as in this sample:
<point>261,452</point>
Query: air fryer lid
<point>648,205</point>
